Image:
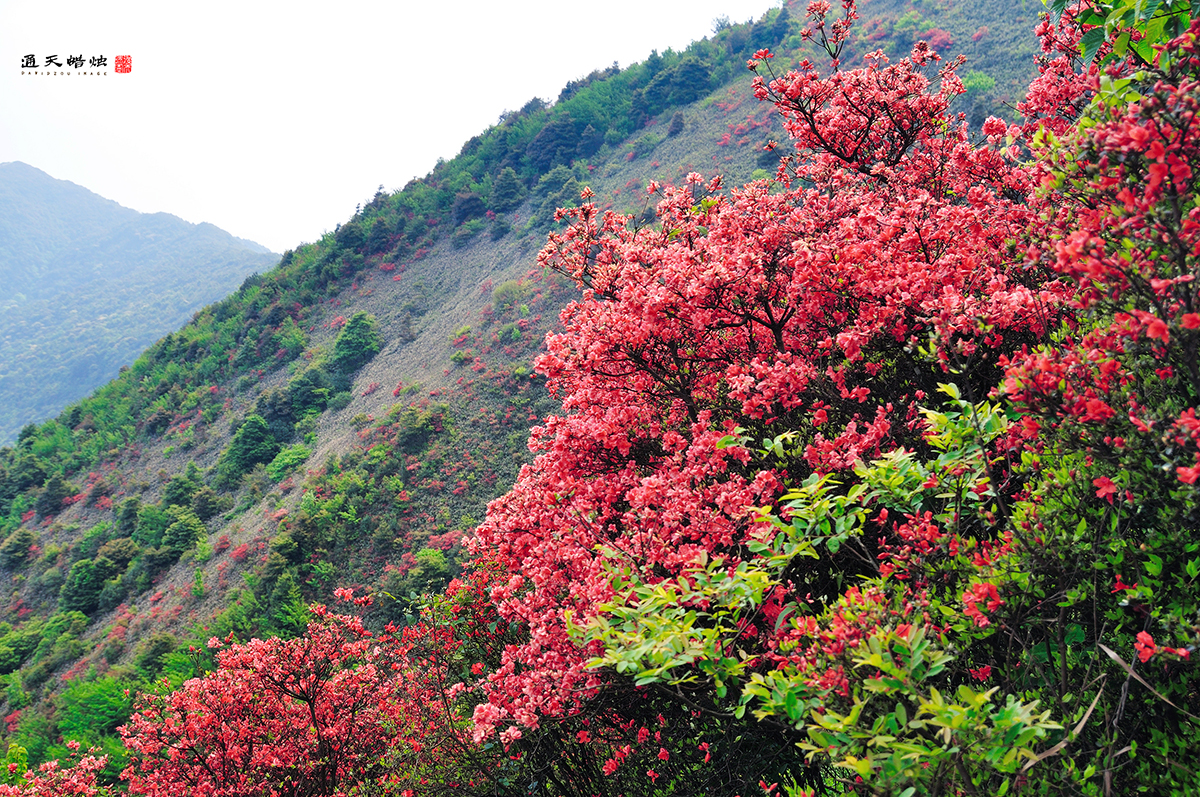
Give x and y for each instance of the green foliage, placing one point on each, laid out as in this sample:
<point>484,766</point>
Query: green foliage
<point>120,552</point>
<point>81,590</point>
<point>184,529</point>
<point>466,232</point>
<point>643,146</point>
<point>501,226</point>
<point>508,295</point>
<point>15,764</point>
<point>287,604</point>
<point>50,500</point>
<point>179,490</point>
<point>902,720</point>
<point>683,83</point>
<point>467,206</point>
<point>86,709</point>
<point>14,551</point>
<point>287,460</point>
<point>558,188</point>
<point>676,126</point>
<point>252,444</point>
<point>16,645</point>
<point>357,343</point>
<point>35,734</point>
<point>206,503</point>
<point>1116,20</point>
<point>976,82</point>
<point>350,236</point>
<point>291,339</point>
<point>127,516</point>
<point>309,392</point>
<point>152,651</point>
<point>429,575</point>
<point>152,522</point>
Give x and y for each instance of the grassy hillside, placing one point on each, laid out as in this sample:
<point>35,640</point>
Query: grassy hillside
<point>343,419</point>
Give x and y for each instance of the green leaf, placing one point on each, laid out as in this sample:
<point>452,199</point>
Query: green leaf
<point>1147,9</point>
<point>792,706</point>
<point>1121,44</point>
<point>1090,44</point>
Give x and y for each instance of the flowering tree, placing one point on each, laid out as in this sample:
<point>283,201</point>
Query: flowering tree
<point>881,473</point>
<point>827,347</point>
<point>323,714</point>
<point>817,319</point>
<point>76,778</point>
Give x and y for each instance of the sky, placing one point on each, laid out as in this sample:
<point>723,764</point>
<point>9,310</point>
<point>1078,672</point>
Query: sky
<point>273,120</point>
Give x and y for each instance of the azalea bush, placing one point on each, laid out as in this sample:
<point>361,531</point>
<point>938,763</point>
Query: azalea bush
<point>894,457</point>
<point>331,712</point>
<point>879,476</point>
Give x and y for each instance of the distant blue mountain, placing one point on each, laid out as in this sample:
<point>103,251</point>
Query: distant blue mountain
<point>86,285</point>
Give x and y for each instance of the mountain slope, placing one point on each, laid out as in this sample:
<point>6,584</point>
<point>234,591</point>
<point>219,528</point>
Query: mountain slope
<point>88,284</point>
<point>281,445</point>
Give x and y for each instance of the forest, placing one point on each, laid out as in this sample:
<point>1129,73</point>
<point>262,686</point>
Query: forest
<point>873,475</point>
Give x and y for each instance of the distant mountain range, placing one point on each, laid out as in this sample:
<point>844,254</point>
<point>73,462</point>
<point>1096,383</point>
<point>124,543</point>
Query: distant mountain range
<point>86,285</point>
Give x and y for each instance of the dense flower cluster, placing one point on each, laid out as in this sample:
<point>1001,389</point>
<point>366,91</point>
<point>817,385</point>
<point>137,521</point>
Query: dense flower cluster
<point>920,413</point>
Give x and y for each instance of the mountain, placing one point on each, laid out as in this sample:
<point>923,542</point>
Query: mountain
<point>344,418</point>
<point>86,285</point>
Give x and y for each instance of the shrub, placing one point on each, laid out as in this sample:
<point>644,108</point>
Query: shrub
<point>288,460</point>
<point>81,590</point>
<point>341,400</point>
<point>357,343</point>
<point>676,126</point>
<point>251,444</point>
<point>14,552</point>
<point>507,190</point>
<point>184,530</point>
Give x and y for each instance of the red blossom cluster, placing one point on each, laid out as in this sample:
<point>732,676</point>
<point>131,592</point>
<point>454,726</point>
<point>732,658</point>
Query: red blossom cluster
<point>799,309</point>
<point>804,331</point>
<point>336,707</point>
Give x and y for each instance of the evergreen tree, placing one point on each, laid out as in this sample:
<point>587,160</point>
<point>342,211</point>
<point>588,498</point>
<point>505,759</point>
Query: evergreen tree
<point>184,530</point>
<point>15,550</point>
<point>252,444</point>
<point>357,343</point>
<point>51,499</point>
<point>81,589</point>
<point>507,190</point>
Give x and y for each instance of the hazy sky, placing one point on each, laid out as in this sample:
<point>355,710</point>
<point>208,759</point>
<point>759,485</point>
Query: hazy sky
<point>273,120</point>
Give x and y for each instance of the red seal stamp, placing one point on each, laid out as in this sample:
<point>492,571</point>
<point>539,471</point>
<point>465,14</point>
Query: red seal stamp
<point>123,63</point>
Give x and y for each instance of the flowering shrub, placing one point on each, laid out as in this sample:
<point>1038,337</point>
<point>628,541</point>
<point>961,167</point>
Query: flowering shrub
<point>320,714</point>
<point>52,779</point>
<point>826,352</point>
<point>881,474</point>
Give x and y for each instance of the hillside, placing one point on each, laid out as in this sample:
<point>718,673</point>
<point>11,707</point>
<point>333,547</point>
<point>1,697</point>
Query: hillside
<point>344,418</point>
<point>86,285</point>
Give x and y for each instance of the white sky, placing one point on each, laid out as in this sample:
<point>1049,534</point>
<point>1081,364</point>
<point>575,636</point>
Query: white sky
<point>273,119</point>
